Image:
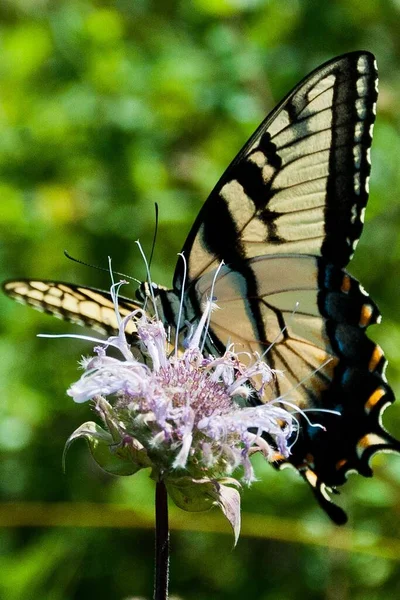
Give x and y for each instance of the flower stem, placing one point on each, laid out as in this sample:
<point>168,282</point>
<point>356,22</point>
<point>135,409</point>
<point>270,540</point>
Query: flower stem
<point>162,543</point>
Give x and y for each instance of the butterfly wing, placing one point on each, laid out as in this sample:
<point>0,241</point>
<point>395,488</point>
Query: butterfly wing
<point>75,303</point>
<point>285,218</point>
<point>312,323</point>
<point>300,184</point>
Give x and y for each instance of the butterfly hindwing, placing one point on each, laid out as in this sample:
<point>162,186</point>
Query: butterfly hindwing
<point>310,318</point>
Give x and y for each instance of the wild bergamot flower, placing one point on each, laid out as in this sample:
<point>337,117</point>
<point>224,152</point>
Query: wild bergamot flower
<point>183,415</point>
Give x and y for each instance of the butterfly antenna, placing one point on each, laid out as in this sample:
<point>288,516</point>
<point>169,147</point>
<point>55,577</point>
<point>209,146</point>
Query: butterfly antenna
<point>155,234</point>
<point>148,278</point>
<point>81,262</point>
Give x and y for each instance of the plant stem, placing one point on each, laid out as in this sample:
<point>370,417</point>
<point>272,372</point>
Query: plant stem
<point>162,543</point>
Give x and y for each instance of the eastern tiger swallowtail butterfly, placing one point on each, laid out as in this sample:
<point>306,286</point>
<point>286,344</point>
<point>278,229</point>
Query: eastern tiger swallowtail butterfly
<point>285,218</point>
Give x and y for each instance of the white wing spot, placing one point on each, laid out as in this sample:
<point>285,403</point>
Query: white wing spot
<point>357,186</point>
<point>362,86</point>
<point>362,65</point>
<point>360,108</point>
<point>357,156</point>
<point>359,130</point>
<point>367,184</point>
<point>362,214</point>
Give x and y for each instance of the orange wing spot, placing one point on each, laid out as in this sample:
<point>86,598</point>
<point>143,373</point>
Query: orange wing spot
<point>371,439</point>
<point>374,399</point>
<point>375,358</point>
<point>365,316</point>
<point>277,457</point>
<point>346,284</point>
<point>341,463</point>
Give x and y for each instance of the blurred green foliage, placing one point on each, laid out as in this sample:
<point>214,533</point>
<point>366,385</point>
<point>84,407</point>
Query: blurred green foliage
<point>106,108</point>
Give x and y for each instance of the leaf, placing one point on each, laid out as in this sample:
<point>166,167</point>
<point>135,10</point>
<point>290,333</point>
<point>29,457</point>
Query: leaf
<point>123,458</point>
<point>196,495</point>
<point>193,495</point>
<point>228,498</point>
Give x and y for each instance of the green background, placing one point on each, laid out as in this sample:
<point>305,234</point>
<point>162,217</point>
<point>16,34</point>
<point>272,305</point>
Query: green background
<point>106,108</point>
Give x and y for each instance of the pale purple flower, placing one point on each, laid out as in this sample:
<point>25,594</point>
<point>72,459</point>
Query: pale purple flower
<point>183,409</point>
<point>183,415</point>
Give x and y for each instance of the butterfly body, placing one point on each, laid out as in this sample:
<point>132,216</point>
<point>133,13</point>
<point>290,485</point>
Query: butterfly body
<point>284,219</point>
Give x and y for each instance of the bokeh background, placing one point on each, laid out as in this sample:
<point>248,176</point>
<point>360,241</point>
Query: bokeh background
<point>106,108</point>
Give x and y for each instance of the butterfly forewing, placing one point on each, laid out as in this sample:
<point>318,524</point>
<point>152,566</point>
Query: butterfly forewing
<point>299,185</point>
<point>78,304</point>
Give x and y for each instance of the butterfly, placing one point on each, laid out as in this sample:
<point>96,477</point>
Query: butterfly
<point>284,218</point>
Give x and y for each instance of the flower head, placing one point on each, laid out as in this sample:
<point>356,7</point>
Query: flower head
<point>182,415</point>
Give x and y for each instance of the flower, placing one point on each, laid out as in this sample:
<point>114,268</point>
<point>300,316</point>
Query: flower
<point>181,415</point>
